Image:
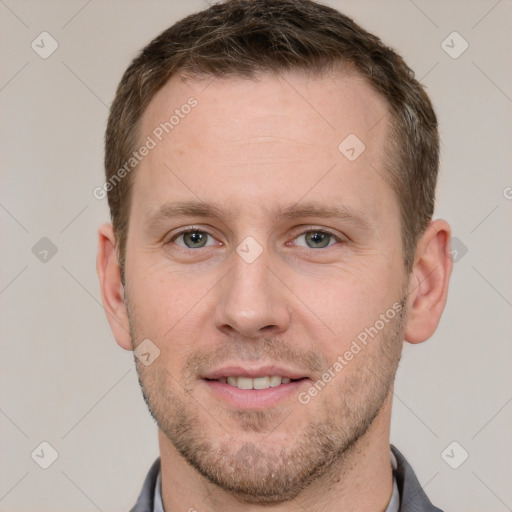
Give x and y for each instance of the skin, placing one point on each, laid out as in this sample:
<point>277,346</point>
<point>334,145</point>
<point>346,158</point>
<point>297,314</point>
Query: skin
<point>253,146</point>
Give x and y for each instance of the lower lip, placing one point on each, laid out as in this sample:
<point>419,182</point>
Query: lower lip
<point>254,398</point>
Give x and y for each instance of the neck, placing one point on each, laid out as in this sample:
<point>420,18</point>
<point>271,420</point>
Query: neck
<point>361,480</point>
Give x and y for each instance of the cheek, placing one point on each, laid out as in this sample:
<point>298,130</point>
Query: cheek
<point>158,303</point>
<point>172,310</point>
<point>347,301</point>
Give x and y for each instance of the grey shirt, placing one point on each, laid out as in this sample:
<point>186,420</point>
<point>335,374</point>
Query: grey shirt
<point>407,496</point>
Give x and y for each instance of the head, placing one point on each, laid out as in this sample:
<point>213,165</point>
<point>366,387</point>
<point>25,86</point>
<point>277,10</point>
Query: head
<point>279,216</point>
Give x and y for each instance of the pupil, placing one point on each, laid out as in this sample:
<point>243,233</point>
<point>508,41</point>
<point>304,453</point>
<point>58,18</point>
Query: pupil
<point>318,238</point>
<point>195,238</point>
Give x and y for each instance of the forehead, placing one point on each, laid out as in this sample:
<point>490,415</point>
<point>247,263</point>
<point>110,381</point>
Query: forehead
<point>250,142</point>
<point>327,105</point>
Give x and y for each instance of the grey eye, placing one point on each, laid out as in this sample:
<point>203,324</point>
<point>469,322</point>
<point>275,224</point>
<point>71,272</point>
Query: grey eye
<point>317,239</point>
<point>193,239</point>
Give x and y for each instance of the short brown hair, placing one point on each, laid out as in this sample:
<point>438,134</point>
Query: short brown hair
<point>243,37</point>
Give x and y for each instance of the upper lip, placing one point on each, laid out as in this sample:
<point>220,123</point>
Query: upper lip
<point>261,371</point>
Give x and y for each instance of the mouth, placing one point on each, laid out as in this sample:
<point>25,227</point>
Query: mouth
<point>254,389</point>
<point>263,382</point>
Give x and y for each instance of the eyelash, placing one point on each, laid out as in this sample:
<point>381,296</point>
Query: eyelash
<point>198,230</point>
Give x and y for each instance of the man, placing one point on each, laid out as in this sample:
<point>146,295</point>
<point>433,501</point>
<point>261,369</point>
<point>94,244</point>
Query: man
<point>271,171</point>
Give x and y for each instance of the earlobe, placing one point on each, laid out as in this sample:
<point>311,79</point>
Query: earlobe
<point>112,290</point>
<point>429,282</point>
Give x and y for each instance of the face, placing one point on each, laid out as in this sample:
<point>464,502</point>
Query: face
<point>259,249</point>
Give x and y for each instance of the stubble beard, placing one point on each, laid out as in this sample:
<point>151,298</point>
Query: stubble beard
<point>252,472</point>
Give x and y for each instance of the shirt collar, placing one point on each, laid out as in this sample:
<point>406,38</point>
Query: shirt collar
<point>158,504</point>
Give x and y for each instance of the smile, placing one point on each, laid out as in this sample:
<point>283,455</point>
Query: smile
<point>255,383</point>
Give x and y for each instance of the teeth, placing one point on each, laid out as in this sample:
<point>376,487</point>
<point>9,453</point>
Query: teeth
<point>260,382</point>
<point>257,383</point>
<point>244,383</point>
<point>275,381</point>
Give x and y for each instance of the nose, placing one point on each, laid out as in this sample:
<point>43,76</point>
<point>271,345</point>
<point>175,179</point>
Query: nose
<point>252,300</point>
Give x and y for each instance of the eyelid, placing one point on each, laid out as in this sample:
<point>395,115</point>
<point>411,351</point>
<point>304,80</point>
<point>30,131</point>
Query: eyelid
<point>184,231</point>
<point>320,229</point>
<point>305,228</point>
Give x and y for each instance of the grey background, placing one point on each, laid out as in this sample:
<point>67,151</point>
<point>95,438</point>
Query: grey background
<point>65,381</point>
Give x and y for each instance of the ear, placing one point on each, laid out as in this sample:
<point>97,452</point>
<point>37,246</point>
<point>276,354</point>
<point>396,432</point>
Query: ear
<point>428,285</point>
<point>112,289</point>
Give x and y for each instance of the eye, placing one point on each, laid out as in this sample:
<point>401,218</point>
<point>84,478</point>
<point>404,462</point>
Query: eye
<point>192,239</point>
<point>317,239</point>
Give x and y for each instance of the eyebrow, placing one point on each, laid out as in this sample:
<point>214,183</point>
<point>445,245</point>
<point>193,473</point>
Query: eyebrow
<point>182,209</point>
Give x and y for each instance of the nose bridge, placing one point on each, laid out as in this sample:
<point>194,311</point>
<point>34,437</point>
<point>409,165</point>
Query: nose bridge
<point>251,300</point>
